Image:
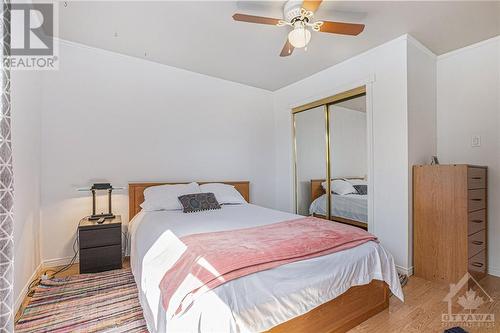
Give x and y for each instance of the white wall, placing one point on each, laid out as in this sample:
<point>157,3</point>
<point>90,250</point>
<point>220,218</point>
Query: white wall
<point>348,149</point>
<point>422,131</point>
<point>386,67</point>
<point>121,119</point>
<point>468,99</point>
<point>26,111</point>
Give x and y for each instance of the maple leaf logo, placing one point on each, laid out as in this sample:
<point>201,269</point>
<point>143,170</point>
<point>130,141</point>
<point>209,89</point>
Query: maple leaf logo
<point>470,301</point>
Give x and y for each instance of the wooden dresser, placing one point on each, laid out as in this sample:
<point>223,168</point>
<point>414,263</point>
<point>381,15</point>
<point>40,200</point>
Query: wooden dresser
<point>450,221</point>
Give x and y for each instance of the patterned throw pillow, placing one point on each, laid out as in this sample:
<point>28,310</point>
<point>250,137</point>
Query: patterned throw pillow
<point>198,201</point>
<point>361,189</point>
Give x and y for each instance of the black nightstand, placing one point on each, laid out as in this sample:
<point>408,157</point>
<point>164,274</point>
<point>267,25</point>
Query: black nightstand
<point>100,245</point>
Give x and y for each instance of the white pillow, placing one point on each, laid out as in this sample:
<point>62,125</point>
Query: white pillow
<point>341,187</point>
<point>224,193</point>
<point>165,197</point>
<point>357,181</point>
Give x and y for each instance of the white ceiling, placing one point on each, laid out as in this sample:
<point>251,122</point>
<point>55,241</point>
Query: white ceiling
<point>202,37</point>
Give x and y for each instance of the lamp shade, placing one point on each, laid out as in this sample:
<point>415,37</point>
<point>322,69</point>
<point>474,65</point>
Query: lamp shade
<point>299,37</point>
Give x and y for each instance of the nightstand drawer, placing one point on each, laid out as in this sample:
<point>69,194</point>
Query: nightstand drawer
<point>100,259</point>
<point>100,237</point>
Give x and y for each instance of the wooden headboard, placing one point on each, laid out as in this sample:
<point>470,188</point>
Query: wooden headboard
<point>136,193</point>
<point>317,190</point>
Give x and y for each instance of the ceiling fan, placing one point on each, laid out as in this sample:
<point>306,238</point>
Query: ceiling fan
<point>299,14</point>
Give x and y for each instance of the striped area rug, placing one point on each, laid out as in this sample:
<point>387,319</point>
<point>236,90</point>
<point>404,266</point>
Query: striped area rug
<point>100,302</point>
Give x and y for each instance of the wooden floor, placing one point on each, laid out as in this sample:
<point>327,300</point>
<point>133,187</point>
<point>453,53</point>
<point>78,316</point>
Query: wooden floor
<point>423,306</point>
<point>74,270</point>
<point>421,311</point>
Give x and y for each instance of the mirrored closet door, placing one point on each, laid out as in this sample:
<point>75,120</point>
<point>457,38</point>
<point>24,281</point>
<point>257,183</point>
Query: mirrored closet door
<point>330,141</point>
<point>348,161</point>
<point>310,147</point>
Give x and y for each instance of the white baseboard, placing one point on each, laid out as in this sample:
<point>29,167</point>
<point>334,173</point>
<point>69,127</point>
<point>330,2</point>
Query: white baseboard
<point>494,271</point>
<point>409,271</point>
<point>24,291</point>
<point>405,270</point>
<point>48,263</point>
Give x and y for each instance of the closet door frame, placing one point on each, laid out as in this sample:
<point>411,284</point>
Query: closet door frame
<point>325,103</point>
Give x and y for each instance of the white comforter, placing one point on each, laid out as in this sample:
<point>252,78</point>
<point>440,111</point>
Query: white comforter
<point>349,206</point>
<point>256,302</point>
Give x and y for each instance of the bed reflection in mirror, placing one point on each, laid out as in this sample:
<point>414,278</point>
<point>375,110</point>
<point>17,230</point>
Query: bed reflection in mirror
<point>310,145</point>
<point>332,143</point>
<point>348,161</point>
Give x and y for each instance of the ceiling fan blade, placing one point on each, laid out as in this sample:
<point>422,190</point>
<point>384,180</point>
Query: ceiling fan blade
<point>342,28</point>
<point>287,49</point>
<point>311,5</point>
<point>255,19</point>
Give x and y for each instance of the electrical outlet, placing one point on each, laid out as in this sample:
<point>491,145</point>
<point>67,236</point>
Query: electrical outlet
<point>476,141</point>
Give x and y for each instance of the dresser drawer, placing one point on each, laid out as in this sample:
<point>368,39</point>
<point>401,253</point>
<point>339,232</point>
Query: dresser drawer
<point>477,221</point>
<point>100,259</point>
<point>476,243</point>
<point>477,199</point>
<point>476,178</point>
<point>477,264</point>
<point>100,237</point>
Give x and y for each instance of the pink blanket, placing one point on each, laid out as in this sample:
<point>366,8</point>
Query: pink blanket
<point>213,258</point>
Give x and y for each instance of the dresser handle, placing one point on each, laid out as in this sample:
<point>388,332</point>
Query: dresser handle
<point>477,178</point>
<point>477,221</point>
<point>477,242</point>
<point>477,199</point>
<point>477,264</point>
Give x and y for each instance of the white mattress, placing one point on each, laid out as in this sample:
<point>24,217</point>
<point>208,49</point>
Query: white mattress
<point>349,206</point>
<point>254,302</point>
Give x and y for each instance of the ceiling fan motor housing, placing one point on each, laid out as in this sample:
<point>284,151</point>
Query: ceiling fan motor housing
<point>291,10</point>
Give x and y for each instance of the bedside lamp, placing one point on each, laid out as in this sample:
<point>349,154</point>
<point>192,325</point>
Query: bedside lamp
<point>101,187</point>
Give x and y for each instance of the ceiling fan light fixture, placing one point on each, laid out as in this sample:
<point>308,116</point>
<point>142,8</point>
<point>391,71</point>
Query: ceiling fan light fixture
<point>298,14</point>
<point>299,37</point>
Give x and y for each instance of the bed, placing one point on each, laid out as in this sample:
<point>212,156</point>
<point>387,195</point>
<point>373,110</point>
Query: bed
<point>349,208</point>
<point>334,293</point>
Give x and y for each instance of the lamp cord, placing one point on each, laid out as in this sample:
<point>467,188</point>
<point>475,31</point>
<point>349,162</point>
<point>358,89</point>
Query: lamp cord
<point>76,246</point>
<point>76,250</point>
